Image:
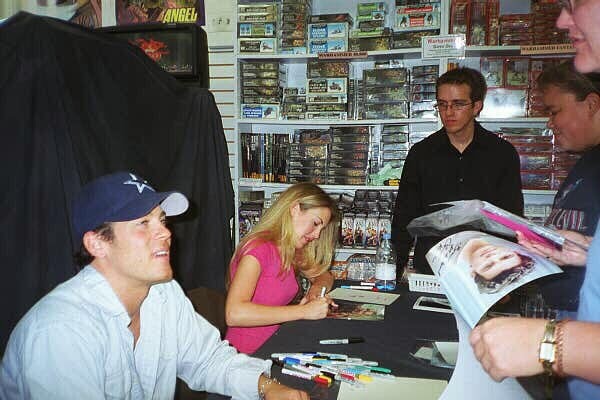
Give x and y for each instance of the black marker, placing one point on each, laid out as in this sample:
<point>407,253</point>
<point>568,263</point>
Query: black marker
<point>342,341</point>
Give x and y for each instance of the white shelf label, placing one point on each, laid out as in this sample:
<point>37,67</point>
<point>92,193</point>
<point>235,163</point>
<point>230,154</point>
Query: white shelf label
<point>443,46</point>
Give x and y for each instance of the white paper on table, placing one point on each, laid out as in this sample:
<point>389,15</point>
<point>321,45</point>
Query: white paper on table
<point>424,352</point>
<point>448,350</point>
<point>398,388</point>
<point>363,296</point>
<point>469,379</point>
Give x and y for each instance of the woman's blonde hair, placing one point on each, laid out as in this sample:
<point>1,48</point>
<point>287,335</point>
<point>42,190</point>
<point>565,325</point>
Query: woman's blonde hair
<point>276,226</point>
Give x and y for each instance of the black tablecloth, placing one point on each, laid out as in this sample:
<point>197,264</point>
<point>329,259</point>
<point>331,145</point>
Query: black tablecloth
<point>389,342</point>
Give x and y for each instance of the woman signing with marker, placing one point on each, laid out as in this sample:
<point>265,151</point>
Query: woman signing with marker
<point>296,235</point>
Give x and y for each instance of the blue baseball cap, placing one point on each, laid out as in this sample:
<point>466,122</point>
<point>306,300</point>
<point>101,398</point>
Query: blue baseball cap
<point>122,196</point>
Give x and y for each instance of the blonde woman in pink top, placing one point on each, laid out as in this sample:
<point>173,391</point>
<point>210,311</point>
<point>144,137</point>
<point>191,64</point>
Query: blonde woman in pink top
<point>296,235</point>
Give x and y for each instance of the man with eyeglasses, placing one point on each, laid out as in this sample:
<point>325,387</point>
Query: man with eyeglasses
<point>461,161</point>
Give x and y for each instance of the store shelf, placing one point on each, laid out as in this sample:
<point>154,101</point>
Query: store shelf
<point>252,184</point>
<point>370,55</point>
<point>349,252</point>
<point>518,120</point>
<point>255,184</point>
<point>539,192</point>
<point>477,51</point>
<point>255,121</point>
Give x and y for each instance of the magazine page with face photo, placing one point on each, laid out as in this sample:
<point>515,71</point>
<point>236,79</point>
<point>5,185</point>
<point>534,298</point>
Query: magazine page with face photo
<point>476,270</point>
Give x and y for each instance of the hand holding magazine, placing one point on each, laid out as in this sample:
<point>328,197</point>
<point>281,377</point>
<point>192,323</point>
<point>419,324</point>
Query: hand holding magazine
<point>476,270</point>
<point>481,215</point>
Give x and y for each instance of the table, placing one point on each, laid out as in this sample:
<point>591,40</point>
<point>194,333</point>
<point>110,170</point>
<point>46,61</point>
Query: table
<point>388,342</point>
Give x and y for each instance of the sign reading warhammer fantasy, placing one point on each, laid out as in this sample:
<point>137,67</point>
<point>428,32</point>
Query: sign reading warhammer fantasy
<point>163,11</point>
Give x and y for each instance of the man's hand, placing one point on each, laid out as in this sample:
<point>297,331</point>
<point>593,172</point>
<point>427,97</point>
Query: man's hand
<point>570,254</point>
<point>509,347</point>
<point>273,390</point>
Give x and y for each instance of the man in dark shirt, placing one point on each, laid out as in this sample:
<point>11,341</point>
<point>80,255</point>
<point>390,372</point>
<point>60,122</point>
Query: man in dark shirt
<point>461,161</point>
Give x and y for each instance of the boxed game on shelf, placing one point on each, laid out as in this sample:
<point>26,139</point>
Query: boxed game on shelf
<point>545,31</point>
<point>294,103</point>
<point>292,35</point>
<point>349,155</point>
<point>543,165</point>
<point>264,156</point>
<point>367,218</point>
<point>385,93</point>
<point>515,30</point>
<point>478,20</point>
<point>515,78</point>
<point>250,211</point>
<point>260,94</point>
<point>370,33</point>
<point>422,91</point>
<point>257,27</point>
<point>308,156</point>
<point>328,33</point>
<point>388,155</point>
<point>417,16</point>
<point>327,91</point>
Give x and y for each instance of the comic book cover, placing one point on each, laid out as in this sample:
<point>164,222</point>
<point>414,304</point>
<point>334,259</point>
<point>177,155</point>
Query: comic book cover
<point>130,12</point>
<point>83,12</point>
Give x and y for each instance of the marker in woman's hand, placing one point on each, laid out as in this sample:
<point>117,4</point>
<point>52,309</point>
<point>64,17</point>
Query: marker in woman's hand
<point>323,290</point>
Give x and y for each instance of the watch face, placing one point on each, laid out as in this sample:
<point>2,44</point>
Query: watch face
<point>547,352</point>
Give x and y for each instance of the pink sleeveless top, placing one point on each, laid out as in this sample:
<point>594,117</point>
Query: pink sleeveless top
<point>273,289</point>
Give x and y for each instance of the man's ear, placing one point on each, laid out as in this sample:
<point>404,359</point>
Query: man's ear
<point>477,106</point>
<point>593,102</point>
<point>94,244</point>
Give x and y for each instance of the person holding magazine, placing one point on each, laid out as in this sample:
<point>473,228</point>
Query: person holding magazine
<point>573,100</point>
<point>511,346</point>
<point>296,235</point>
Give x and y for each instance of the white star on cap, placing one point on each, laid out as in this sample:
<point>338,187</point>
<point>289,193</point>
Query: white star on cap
<point>140,184</point>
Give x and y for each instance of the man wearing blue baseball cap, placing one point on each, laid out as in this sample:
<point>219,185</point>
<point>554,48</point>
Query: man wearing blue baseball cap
<point>122,328</point>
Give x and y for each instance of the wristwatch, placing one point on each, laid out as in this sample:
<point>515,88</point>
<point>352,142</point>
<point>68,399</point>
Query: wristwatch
<point>548,347</point>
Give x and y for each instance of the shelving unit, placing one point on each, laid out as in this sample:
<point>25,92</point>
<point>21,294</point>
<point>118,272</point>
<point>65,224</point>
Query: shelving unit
<point>410,58</point>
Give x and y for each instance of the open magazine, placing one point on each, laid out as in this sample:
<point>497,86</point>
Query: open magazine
<point>478,214</point>
<point>476,270</point>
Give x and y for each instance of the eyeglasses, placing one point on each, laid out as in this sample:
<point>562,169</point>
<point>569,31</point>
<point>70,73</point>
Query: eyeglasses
<point>454,105</point>
<point>566,5</point>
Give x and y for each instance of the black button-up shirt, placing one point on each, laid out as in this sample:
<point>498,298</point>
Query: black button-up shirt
<point>435,171</point>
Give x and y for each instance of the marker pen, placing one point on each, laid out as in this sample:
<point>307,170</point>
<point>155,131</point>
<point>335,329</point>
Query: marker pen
<point>323,380</point>
<point>355,287</point>
<point>342,341</point>
<point>364,378</point>
<point>297,374</point>
<point>381,369</point>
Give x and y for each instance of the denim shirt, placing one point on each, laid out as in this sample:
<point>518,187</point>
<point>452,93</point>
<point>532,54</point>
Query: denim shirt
<point>75,344</point>
<point>589,310</point>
